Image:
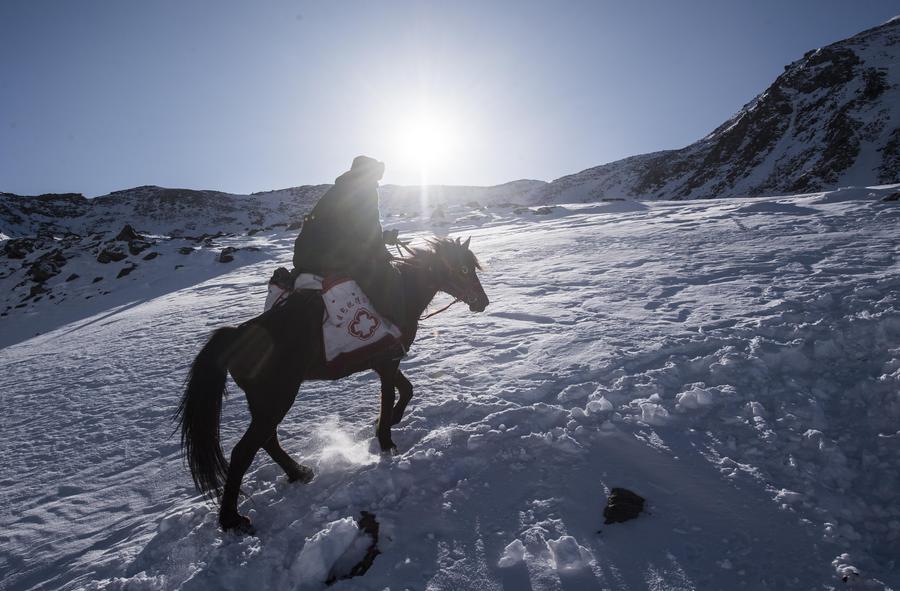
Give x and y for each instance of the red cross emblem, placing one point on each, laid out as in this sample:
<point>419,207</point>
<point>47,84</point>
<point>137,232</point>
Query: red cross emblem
<point>364,324</point>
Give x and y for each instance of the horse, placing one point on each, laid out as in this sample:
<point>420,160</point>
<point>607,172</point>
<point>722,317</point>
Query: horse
<point>271,355</point>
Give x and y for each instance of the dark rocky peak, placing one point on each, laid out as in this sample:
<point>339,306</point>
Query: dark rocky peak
<point>301,192</point>
<point>826,121</point>
<point>147,195</point>
<point>127,234</point>
<point>50,204</point>
<point>45,215</point>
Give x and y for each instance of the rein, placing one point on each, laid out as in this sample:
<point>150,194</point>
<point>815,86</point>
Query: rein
<point>427,316</point>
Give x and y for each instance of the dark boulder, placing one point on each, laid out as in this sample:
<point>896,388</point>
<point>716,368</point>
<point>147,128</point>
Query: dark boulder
<point>126,270</point>
<point>138,246</point>
<point>185,250</point>
<point>227,254</point>
<point>36,290</point>
<point>46,266</point>
<point>622,505</point>
<point>111,254</point>
<point>18,248</point>
<point>127,234</point>
<point>150,256</point>
<point>42,271</point>
<point>206,238</point>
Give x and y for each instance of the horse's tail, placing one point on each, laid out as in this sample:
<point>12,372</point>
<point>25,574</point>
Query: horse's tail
<point>200,411</point>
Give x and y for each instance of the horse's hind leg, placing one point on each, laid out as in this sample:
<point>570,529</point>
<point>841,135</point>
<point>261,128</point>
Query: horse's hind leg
<point>295,472</point>
<point>241,457</point>
<point>266,411</point>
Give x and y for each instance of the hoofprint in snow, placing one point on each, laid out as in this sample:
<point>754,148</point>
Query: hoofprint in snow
<point>737,363</point>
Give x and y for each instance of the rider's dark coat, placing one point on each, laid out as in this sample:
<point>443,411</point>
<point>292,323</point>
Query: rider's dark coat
<point>342,235</point>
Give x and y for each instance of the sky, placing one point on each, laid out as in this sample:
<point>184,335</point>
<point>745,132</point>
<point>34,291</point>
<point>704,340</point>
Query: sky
<point>102,95</point>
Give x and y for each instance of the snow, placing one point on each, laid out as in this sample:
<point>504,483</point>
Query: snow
<point>323,550</point>
<point>567,555</point>
<point>736,363</point>
<point>513,554</point>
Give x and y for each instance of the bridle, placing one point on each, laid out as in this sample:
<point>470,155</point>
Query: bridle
<point>405,246</point>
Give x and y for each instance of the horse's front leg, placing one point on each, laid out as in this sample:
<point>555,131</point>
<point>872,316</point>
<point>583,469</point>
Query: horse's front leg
<point>388,377</point>
<point>406,391</point>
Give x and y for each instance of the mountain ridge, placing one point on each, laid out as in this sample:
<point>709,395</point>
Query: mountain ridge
<point>830,119</point>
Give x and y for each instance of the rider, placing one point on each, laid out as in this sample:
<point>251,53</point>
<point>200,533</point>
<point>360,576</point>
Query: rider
<point>342,235</point>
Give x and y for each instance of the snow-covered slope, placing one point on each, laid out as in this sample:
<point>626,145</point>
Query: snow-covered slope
<point>192,235</point>
<point>54,247</point>
<point>831,119</point>
<point>421,201</point>
<point>735,362</point>
<point>178,212</point>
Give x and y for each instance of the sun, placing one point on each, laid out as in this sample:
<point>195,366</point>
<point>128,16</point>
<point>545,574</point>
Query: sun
<point>426,139</point>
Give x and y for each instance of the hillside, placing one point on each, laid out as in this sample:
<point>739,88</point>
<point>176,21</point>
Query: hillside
<point>735,362</point>
<point>831,119</point>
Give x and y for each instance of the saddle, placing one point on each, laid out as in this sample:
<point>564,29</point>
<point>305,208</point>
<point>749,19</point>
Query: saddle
<point>353,332</point>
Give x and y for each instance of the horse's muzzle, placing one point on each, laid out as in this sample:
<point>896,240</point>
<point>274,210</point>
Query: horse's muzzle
<point>478,303</point>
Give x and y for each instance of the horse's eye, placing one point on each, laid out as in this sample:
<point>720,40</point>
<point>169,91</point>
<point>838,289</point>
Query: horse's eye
<point>464,270</point>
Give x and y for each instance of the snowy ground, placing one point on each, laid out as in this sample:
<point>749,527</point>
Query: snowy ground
<point>737,363</point>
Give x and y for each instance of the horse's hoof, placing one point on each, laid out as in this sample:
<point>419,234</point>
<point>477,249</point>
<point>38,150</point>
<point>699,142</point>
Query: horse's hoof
<point>303,475</point>
<point>390,451</point>
<point>237,524</point>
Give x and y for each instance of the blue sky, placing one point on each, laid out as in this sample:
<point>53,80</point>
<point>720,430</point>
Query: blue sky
<point>100,95</point>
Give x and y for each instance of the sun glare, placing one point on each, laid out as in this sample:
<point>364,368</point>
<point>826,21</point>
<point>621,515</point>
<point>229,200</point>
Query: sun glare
<point>426,140</point>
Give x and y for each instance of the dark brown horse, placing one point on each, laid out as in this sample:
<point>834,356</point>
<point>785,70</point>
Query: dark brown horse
<point>272,354</point>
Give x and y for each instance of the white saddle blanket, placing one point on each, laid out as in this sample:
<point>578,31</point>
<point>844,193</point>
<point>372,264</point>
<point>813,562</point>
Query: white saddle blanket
<point>350,324</point>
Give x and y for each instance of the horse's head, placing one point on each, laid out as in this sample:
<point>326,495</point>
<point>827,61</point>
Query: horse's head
<point>456,275</point>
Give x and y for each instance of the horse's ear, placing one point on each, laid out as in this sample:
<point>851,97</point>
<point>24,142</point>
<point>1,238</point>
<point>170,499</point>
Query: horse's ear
<point>466,243</point>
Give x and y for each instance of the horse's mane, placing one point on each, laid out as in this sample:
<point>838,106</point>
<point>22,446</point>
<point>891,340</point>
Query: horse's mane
<point>446,249</point>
